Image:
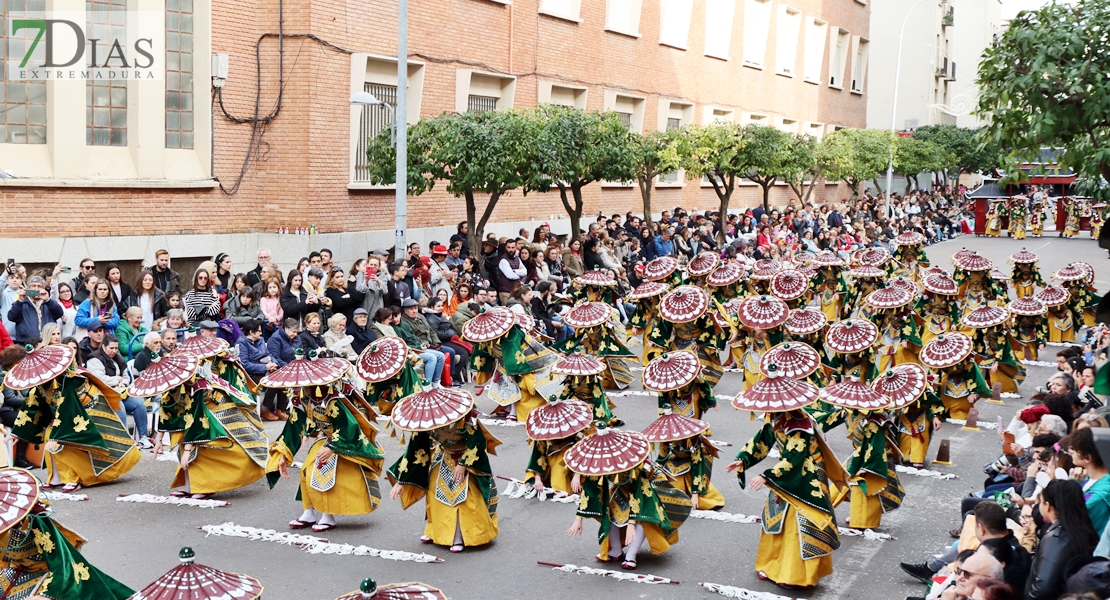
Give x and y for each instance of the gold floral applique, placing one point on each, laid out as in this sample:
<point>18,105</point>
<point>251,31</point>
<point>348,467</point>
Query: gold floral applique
<point>80,423</point>
<point>421,457</point>
<point>80,572</point>
<point>22,419</point>
<point>634,505</point>
<point>43,541</point>
<point>469,457</point>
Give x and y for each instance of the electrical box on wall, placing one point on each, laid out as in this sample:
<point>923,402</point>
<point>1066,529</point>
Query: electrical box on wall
<point>219,69</point>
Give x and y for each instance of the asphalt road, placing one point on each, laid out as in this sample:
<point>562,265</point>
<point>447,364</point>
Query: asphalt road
<point>138,542</point>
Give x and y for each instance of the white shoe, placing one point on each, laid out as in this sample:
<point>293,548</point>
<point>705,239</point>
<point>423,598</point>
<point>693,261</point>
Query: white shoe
<point>144,444</point>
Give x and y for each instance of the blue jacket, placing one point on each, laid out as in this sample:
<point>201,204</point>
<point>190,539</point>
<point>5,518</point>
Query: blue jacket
<point>663,247</point>
<point>251,355</point>
<point>85,318</point>
<point>28,324</point>
<point>282,349</point>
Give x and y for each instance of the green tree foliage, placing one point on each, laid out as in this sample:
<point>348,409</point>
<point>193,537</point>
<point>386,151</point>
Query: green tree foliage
<point>972,150</point>
<point>802,169</point>
<point>1046,83</point>
<point>576,148</point>
<point>913,156</point>
<point>855,155</point>
<point>649,160</point>
<point>718,152</point>
<point>769,151</point>
<point>479,156</point>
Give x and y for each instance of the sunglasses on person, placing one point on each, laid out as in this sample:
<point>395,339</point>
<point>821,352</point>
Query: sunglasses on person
<point>89,267</point>
<point>965,574</point>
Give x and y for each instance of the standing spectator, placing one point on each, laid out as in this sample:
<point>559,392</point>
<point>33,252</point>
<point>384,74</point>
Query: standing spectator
<point>282,347</point>
<point>221,277</point>
<point>254,276</point>
<point>63,294</point>
<point>98,308</point>
<point>343,299</point>
<point>202,303</point>
<point>295,300</point>
<point>119,288</point>
<point>441,275</point>
<point>11,293</point>
<point>130,333</point>
<point>510,272</point>
<point>460,238</point>
<point>149,299</point>
<point>471,273</point>
<point>165,278</point>
<point>397,289</point>
<point>663,246</point>
<point>81,294</point>
<point>87,268</point>
<point>454,258</point>
<point>32,311</point>
<point>372,280</point>
<point>270,304</point>
<point>359,329</point>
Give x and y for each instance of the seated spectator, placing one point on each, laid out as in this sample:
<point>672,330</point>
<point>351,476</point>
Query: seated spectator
<point>253,351</point>
<point>1096,485</point>
<point>51,335</point>
<point>243,307</point>
<point>338,342</point>
<point>413,319</point>
<point>360,331</point>
<point>383,322</point>
<point>282,347</point>
<point>94,340</point>
<point>130,333</point>
<point>311,337</point>
<point>97,308</point>
<point>449,340</point>
<point>107,365</point>
<point>462,314</point>
<point>152,346</point>
<point>433,360</point>
<point>996,538</point>
<point>1068,533</point>
<point>32,310</point>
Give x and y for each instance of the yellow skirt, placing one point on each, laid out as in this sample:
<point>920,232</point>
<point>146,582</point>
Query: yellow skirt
<point>1055,334</point>
<point>477,526</point>
<point>1009,384</point>
<point>711,500</point>
<point>74,465</point>
<point>218,469</point>
<point>957,407</point>
<point>1019,234</point>
<point>559,475</point>
<point>656,539</point>
<point>916,448</point>
<point>1024,291</point>
<point>751,378</point>
<point>831,310</point>
<point>349,496</point>
<point>866,511</point>
<point>780,556</point>
<point>529,399</point>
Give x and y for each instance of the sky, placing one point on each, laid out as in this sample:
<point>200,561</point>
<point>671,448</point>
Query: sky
<point>1010,8</point>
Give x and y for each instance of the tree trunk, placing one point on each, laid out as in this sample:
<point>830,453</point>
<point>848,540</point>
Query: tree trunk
<point>473,236</point>
<point>573,211</point>
<point>724,194</point>
<point>645,193</point>
<point>766,185</point>
<point>907,190</point>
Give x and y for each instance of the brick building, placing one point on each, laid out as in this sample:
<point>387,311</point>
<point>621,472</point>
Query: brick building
<point>156,164</point>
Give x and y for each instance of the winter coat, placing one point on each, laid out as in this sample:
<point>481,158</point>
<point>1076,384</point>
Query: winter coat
<point>251,354</point>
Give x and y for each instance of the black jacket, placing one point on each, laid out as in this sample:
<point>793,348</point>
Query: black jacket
<point>158,308</point>
<point>1014,556</point>
<point>345,301</point>
<point>1046,576</point>
<point>440,325</point>
<point>363,336</point>
<point>311,341</point>
<point>125,290</point>
<point>293,305</point>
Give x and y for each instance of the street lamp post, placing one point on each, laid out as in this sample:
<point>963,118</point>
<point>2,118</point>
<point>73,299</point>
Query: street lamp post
<point>398,129</point>
<point>894,103</point>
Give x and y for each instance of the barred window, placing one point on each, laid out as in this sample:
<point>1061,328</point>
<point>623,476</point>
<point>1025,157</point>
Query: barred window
<point>105,99</point>
<point>179,74</point>
<point>481,103</point>
<point>373,120</point>
<point>23,120</point>
<point>626,118</point>
<point>671,177</point>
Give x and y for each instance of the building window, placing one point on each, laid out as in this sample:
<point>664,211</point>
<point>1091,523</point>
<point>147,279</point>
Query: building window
<point>106,101</point>
<point>480,104</point>
<point>814,130</point>
<point>816,30</point>
<point>480,92</point>
<point>757,24</point>
<point>786,40</point>
<point>718,27</point>
<point>179,74</point>
<point>712,115</point>
<point>754,119</point>
<point>859,65</point>
<point>632,106</point>
<point>674,22</point>
<point>372,120</point>
<point>839,58</point>
<point>788,125</point>
<point>23,102</point>
<point>562,9</point>
<point>626,119</point>
<point>563,95</point>
<point>672,116</point>
<point>623,16</point>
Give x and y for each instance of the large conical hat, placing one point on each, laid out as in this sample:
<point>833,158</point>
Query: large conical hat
<point>909,238</point>
<point>596,278</point>
<point>648,289</point>
<point>19,491</point>
<point>703,264</point>
<point>607,452</point>
<point>558,419</point>
<point>1027,307</point>
<point>305,372</point>
<point>776,393</point>
<point>985,316</point>
<point>874,256</point>
<point>825,258</point>
<point>851,335</point>
<point>163,374</point>
<point>671,427</point>
<point>974,262</point>
<point>793,359</point>
<point>525,322</point>
<point>202,346</point>
<point>39,367</point>
<point>941,283</point>
<point>961,254</point>
<point>381,359</point>
<point>804,321</point>
<point>432,408</point>
<point>1053,296</point>
<point>855,395</point>
<point>578,365</point>
<point>998,275</point>
<point>684,304</point>
<point>902,385</point>
<point>1023,257</point>
<point>730,308</point>
<point>660,268</point>
<point>190,581</point>
<point>671,371</point>
<point>935,270</point>
<point>867,271</point>
<point>727,273</point>
<point>488,325</point>
<point>946,350</point>
<point>413,590</point>
<point>888,297</point>
<point>763,312</point>
<point>789,284</point>
<point>904,283</point>
<point>765,269</point>
<point>1089,278</point>
<point>588,314</point>
<point>1072,272</point>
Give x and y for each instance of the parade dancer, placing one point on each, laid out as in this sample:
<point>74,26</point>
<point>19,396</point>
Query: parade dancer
<point>512,364</point>
<point>1018,225</point>
<point>677,378</point>
<point>1060,319</point>
<point>686,456</point>
<point>386,365</point>
<point>1025,275</point>
<point>1028,326</point>
<point>552,429</point>
<point>1078,279</point>
<point>763,319</point>
<point>1071,217</point>
<point>958,381</point>
<point>938,306</point>
<point>645,316</point>
<point>992,347</point>
<point>909,255</point>
<point>595,333</point>
<point>993,218</point>
<point>898,341</point>
<point>916,409</point>
<point>977,286</point>
<point>688,324</point>
<point>829,285</point>
<point>582,381</point>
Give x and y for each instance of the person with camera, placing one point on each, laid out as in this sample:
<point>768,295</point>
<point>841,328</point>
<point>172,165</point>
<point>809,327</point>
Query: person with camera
<point>32,310</point>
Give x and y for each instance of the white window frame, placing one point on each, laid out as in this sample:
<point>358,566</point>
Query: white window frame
<point>861,47</point>
<point>757,26</point>
<point>754,118</point>
<point>567,10</point>
<point>373,68</point>
<point>614,101</point>
<point>837,70</point>
<point>786,124</point>
<point>720,15</point>
<point>814,129</point>
<point>684,112</point>
<point>787,28</point>
<point>716,114</point>
<point>614,25</point>
<point>813,52</point>
<point>547,90</point>
<point>678,14</point>
<point>465,80</point>
<point>831,128</point>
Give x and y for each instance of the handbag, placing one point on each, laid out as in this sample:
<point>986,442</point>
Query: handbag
<point>458,341</point>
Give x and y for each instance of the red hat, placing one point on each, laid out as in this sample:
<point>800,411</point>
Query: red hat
<point>439,249</point>
<point>1033,413</point>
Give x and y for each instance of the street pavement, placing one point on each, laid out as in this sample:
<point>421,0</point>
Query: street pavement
<point>138,542</point>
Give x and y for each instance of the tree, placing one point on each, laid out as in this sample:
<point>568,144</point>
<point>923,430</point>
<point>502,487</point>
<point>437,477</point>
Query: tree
<point>476,154</point>
<point>1046,83</point>
<point>718,152</point>
<point>649,160</point>
<point>856,155</point>
<point>769,151</point>
<point>576,148</point>
<point>913,156</point>
<point>972,151</point>
<point>803,169</point>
